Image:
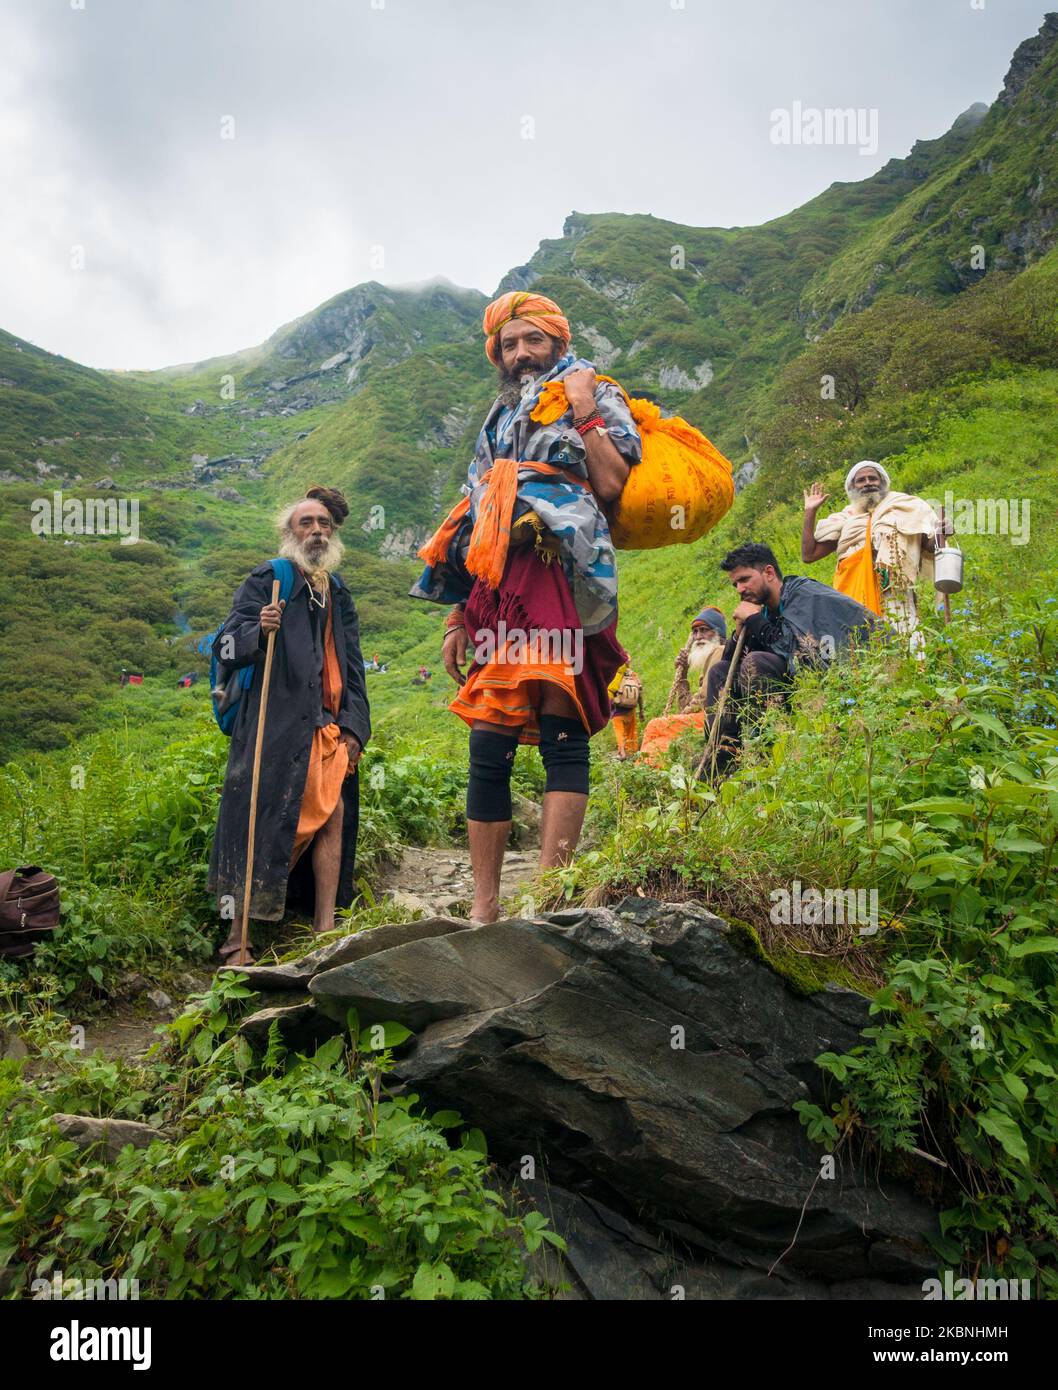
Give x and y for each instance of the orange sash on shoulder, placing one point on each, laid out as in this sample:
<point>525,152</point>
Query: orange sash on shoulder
<point>857,576</point>
<point>328,755</point>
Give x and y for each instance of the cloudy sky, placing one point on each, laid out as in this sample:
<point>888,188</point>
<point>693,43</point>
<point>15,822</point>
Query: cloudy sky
<point>180,177</point>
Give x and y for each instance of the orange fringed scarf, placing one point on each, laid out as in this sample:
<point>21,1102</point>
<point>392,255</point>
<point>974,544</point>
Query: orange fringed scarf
<point>491,537</point>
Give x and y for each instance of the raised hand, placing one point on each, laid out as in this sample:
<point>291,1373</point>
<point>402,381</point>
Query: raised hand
<point>815,497</point>
<point>745,610</point>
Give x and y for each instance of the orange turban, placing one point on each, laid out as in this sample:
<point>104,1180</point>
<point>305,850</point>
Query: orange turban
<point>522,304</point>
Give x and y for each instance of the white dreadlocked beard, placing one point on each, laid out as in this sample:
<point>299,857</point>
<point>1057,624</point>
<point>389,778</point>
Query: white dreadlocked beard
<point>319,558</point>
<point>698,654</point>
<point>867,500</point>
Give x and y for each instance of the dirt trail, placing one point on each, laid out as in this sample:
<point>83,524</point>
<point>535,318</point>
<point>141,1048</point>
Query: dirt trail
<point>440,881</point>
<point>433,881</point>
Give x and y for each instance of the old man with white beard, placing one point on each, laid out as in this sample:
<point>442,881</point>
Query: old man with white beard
<point>316,727</point>
<point>703,649</point>
<point>884,541</point>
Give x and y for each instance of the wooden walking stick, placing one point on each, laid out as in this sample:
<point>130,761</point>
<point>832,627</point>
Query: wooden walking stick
<point>266,678</point>
<point>672,692</point>
<point>673,687</point>
<point>711,741</point>
<point>943,543</point>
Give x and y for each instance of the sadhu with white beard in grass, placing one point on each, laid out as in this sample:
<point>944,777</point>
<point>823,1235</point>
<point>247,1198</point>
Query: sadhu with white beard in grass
<point>316,728</point>
<point>884,541</point>
<point>694,661</point>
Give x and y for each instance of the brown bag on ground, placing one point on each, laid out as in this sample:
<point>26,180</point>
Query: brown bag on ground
<point>29,909</point>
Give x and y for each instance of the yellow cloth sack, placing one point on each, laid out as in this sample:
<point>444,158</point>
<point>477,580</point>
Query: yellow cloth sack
<point>857,577</point>
<point>677,492</point>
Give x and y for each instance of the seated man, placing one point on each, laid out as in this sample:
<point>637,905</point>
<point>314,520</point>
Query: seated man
<point>884,540</point>
<point>704,648</point>
<point>788,623</point>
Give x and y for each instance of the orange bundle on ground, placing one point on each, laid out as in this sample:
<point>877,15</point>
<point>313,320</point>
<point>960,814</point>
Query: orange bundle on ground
<point>660,733</point>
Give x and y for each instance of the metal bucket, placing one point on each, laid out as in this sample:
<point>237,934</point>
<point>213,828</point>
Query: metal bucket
<point>947,570</point>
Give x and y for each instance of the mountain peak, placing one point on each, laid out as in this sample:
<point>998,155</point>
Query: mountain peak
<point>1027,58</point>
<point>971,117</point>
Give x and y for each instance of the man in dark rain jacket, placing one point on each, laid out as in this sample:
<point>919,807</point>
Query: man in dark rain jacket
<point>316,726</point>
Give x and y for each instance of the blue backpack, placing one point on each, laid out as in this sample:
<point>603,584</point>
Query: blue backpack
<point>228,684</point>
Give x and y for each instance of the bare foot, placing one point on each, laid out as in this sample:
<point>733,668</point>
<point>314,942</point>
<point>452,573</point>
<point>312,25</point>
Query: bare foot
<point>484,912</point>
<point>229,955</point>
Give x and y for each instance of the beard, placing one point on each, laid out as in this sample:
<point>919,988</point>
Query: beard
<point>511,386</point>
<point>866,499</point>
<point>316,556</point>
<point>698,654</point>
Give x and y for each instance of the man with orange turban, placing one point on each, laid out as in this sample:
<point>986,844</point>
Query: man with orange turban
<point>528,560</point>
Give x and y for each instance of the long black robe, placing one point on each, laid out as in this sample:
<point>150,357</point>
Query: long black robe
<point>295,709</point>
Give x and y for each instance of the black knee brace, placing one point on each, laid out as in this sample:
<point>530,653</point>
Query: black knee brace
<point>489,785</point>
<point>564,749</point>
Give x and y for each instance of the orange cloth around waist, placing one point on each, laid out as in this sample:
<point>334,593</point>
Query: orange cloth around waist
<point>329,757</point>
<point>661,732</point>
<point>857,576</point>
<point>508,692</point>
<point>491,536</point>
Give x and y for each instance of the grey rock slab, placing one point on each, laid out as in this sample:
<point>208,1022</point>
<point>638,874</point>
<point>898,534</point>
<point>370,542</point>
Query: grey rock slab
<point>301,1025</point>
<point>296,974</point>
<point>443,976</point>
<point>645,1053</point>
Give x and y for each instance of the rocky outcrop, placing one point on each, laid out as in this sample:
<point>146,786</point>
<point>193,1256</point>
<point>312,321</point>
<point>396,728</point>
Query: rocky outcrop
<point>602,352</point>
<point>609,1258</point>
<point>675,378</point>
<point>212,470</point>
<point>400,543</point>
<point>1027,58</point>
<point>641,1060</point>
<point>747,473</point>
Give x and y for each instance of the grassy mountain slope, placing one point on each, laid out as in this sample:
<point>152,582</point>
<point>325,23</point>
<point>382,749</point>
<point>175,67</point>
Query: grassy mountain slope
<point>733,328</point>
<point>998,199</point>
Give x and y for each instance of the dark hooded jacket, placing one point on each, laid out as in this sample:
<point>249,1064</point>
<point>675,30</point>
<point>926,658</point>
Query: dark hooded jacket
<point>814,625</point>
<point>295,709</point>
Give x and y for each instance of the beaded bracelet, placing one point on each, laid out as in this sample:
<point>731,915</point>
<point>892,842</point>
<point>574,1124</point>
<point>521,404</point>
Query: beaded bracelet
<point>593,422</point>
